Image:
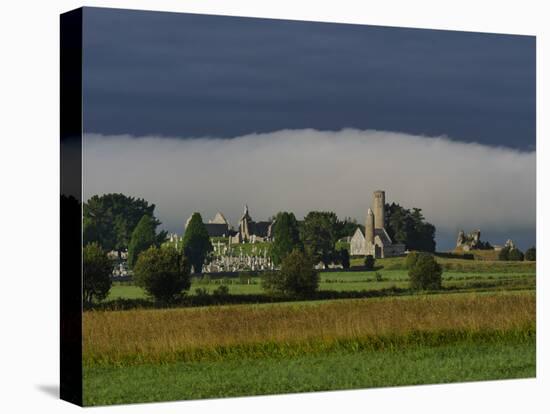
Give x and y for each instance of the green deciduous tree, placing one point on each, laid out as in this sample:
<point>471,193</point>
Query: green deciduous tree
<point>97,269</point>
<point>425,273</point>
<point>515,255</point>
<point>504,253</point>
<point>286,236</point>
<point>410,228</point>
<point>196,242</point>
<point>163,273</point>
<point>297,277</point>
<point>411,259</point>
<point>347,227</point>
<point>110,220</point>
<point>319,234</point>
<point>531,254</point>
<point>142,238</point>
<point>512,254</point>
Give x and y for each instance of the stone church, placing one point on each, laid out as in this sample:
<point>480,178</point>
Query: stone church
<point>252,231</point>
<point>376,241</point>
<point>248,230</point>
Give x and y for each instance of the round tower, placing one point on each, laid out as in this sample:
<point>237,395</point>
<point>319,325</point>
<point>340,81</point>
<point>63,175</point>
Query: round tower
<point>378,206</point>
<point>369,228</point>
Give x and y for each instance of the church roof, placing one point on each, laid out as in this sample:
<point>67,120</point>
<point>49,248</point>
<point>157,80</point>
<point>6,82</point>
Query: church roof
<point>217,229</point>
<point>381,233</point>
<point>260,228</point>
<point>219,218</point>
<point>384,236</point>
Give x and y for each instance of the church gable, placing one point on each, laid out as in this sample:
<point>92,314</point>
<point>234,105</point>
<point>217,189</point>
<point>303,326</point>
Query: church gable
<point>219,218</point>
<point>357,243</point>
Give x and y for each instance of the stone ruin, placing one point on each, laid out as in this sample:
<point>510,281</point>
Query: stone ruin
<point>471,241</point>
<point>509,244</point>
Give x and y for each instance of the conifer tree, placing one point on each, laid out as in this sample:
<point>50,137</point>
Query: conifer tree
<point>196,242</point>
<point>142,238</point>
<point>286,235</point>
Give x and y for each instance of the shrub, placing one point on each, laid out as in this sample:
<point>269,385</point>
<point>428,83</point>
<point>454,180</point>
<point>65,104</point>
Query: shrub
<point>411,259</point>
<point>512,254</point>
<point>297,276</point>
<point>369,262</point>
<point>221,291</point>
<point>201,292</point>
<point>503,254</point>
<point>163,273</point>
<point>344,258</point>
<point>97,273</point>
<point>425,273</point>
<point>378,277</point>
<point>531,254</point>
<point>515,255</point>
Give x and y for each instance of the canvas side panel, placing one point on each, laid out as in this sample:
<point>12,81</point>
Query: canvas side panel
<point>71,206</point>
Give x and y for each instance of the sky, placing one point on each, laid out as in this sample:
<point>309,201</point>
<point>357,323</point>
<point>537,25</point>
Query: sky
<point>206,113</point>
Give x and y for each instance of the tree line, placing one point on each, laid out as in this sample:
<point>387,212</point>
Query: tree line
<point>118,222</point>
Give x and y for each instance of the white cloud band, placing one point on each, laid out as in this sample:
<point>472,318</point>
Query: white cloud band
<point>457,185</point>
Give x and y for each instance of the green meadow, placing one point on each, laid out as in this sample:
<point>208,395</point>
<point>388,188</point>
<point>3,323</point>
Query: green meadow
<point>459,274</point>
<point>479,326</point>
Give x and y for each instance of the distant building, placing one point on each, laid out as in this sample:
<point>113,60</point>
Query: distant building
<point>218,226</point>
<point>472,241</point>
<point>248,230</point>
<point>252,231</point>
<point>376,240</point>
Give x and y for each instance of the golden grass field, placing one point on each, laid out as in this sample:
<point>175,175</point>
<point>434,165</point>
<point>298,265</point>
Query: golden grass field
<point>168,335</point>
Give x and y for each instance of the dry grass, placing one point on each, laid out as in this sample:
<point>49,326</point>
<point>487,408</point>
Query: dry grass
<point>185,334</point>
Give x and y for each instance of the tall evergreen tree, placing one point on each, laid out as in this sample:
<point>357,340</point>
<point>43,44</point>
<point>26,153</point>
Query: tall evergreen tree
<point>142,238</point>
<point>196,242</point>
<point>286,235</point>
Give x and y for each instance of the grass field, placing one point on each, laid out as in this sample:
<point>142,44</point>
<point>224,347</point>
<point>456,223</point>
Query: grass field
<point>481,326</point>
<point>148,355</point>
<point>159,336</point>
<point>458,274</point>
<point>462,362</point>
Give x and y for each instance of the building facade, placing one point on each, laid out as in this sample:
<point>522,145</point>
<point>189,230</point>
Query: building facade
<point>376,240</point>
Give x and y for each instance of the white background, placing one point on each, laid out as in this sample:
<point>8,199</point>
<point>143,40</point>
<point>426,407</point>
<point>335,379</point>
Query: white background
<point>29,188</point>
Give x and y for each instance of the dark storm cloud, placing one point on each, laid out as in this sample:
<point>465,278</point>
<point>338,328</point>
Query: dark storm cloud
<point>194,76</point>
